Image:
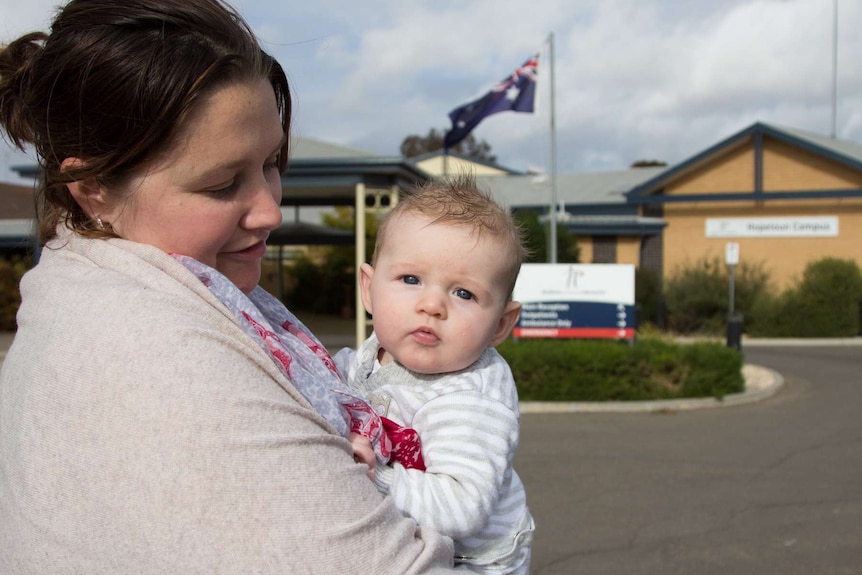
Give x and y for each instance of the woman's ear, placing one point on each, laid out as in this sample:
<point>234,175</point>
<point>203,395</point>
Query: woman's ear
<point>507,321</point>
<point>86,192</point>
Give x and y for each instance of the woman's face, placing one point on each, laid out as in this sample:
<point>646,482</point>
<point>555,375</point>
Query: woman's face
<point>215,195</point>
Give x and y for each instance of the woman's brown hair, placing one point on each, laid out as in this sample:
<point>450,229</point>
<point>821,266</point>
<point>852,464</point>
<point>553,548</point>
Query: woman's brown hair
<point>112,85</point>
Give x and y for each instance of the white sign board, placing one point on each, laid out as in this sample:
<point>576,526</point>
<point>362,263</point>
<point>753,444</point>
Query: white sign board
<point>576,300</point>
<point>801,227</point>
<point>731,253</point>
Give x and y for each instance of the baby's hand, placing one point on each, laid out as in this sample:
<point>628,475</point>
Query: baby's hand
<point>363,452</point>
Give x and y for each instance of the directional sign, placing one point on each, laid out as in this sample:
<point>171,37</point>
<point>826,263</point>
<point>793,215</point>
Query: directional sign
<point>731,253</point>
<point>576,301</point>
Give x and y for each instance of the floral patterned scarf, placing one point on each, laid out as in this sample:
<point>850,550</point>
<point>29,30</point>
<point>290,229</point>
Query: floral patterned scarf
<point>299,355</point>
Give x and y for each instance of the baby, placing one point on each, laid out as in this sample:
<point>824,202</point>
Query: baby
<point>439,291</point>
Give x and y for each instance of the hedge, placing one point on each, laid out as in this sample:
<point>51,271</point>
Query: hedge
<point>12,268</point>
<point>825,303</point>
<point>595,370</point>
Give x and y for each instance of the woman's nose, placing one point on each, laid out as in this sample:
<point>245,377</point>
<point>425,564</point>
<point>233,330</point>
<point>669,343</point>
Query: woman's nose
<point>265,208</point>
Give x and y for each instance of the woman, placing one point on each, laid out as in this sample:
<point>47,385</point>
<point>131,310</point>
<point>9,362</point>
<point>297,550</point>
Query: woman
<point>159,412</point>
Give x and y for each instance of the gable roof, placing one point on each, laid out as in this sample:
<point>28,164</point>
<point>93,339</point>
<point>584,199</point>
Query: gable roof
<point>841,151</point>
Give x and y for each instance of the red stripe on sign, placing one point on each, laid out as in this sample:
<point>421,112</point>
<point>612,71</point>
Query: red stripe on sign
<point>574,332</point>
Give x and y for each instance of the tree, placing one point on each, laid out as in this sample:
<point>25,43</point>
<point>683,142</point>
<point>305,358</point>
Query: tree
<point>648,164</point>
<point>343,219</point>
<point>415,145</point>
<point>536,242</point>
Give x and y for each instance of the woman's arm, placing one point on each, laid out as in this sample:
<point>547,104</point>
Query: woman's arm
<point>180,450</point>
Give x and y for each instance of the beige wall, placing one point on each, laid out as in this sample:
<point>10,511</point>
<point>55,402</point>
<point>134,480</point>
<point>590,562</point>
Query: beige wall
<point>628,250</point>
<point>731,172</point>
<point>784,168</point>
<point>585,244</point>
<point>434,166</point>
<point>789,168</point>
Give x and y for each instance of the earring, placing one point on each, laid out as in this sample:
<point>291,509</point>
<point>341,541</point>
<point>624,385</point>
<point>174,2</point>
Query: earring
<point>99,223</point>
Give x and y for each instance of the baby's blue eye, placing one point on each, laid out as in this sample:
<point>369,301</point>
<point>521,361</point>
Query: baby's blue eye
<point>463,294</point>
<point>410,280</point>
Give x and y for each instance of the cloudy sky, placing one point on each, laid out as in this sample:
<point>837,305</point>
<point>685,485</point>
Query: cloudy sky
<point>635,79</point>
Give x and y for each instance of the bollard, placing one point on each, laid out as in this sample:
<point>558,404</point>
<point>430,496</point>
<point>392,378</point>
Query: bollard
<point>734,331</point>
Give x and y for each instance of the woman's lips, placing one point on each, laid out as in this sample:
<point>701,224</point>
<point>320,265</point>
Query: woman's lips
<point>252,252</point>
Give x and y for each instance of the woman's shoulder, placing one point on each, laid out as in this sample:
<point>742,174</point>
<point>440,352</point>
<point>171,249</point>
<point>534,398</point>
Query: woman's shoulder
<point>127,294</point>
<point>114,275</point>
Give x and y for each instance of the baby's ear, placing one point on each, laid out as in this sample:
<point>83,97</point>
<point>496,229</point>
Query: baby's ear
<point>366,272</point>
<point>508,319</point>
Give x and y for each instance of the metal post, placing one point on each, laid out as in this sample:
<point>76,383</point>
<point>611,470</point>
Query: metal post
<point>359,230</point>
<point>734,320</point>
<point>834,67</point>
<point>732,290</point>
<point>552,212</point>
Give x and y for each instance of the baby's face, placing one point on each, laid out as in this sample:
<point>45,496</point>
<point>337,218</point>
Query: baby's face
<point>437,294</point>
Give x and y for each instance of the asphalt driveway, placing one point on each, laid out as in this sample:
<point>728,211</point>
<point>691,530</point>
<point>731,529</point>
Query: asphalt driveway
<point>769,487</point>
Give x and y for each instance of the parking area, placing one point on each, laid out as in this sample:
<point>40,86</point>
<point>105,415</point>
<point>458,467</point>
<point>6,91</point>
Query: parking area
<point>768,487</point>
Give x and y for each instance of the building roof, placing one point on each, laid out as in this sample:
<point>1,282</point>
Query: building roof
<point>306,148</point>
<point>610,224</point>
<point>844,151</point>
<point>587,188</point>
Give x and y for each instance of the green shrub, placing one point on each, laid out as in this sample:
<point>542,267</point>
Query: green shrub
<point>697,296</point>
<point>825,303</point>
<point>11,270</point>
<point>650,368</point>
<point>536,239</point>
<point>304,285</point>
<point>647,296</point>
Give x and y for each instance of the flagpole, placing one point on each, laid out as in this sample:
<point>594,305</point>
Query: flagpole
<point>834,66</point>
<point>552,212</point>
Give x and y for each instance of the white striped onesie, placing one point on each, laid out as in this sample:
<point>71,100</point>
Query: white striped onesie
<point>468,423</point>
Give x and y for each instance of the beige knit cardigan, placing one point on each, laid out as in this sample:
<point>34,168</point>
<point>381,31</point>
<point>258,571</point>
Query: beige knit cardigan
<point>142,432</point>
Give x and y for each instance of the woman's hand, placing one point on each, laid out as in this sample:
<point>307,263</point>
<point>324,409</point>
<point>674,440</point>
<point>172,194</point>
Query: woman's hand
<point>363,452</point>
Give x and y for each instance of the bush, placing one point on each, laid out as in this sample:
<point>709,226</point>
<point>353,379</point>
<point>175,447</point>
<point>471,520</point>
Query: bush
<point>697,296</point>
<point>536,239</point>
<point>647,296</point>
<point>650,368</point>
<point>11,270</point>
<point>824,304</point>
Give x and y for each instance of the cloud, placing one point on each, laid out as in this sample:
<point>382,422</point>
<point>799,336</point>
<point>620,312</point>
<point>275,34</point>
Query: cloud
<point>635,79</point>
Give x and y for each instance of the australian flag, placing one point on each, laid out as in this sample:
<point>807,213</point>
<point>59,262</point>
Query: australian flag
<point>515,93</point>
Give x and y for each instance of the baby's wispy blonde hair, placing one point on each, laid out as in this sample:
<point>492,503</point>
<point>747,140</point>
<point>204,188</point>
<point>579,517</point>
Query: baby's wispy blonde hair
<point>459,201</point>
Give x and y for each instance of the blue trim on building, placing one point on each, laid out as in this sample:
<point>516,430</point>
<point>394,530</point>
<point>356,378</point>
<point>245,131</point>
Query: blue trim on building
<point>651,191</point>
<point>751,196</point>
<point>758,163</point>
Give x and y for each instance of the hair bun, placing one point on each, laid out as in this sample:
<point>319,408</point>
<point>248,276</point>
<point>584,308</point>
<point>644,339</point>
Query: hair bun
<point>16,61</point>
